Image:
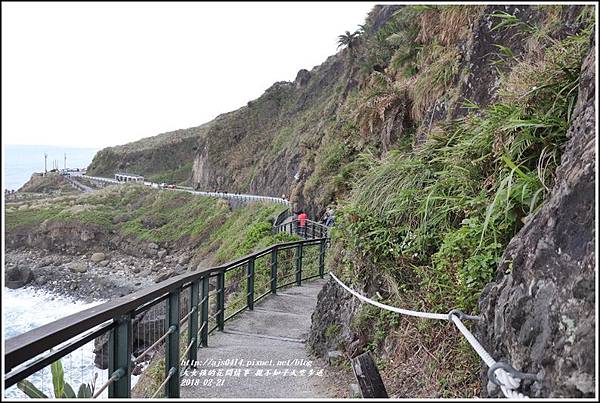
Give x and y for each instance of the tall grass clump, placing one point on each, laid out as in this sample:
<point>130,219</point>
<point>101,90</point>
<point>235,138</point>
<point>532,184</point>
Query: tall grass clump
<point>438,219</point>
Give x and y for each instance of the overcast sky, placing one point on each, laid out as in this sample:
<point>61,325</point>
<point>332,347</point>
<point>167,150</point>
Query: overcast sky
<point>101,74</point>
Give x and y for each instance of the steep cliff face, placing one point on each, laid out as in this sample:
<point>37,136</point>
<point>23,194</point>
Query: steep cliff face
<point>411,235</point>
<point>270,146</point>
<point>538,314</point>
<point>166,157</point>
<point>263,147</point>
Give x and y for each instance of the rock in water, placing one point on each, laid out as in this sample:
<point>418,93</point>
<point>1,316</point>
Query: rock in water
<point>98,257</point>
<point>17,277</point>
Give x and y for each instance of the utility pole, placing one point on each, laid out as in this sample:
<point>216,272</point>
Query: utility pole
<point>65,161</point>
<point>45,163</point>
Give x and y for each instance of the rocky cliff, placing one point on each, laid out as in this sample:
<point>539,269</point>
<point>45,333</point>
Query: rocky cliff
<point>268,147</point>
<point>166,157</point>
<point>538,313</point>
<point>401,245</point>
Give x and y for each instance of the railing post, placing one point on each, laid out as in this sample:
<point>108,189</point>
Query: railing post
<point>221,300</point>
<point>274,270</point>
<point>204,310</point>
<point>119,357</point>
<point>250,277</point>
<point>172,347</point>
<point>322,258</point>
<point>193,322</point>
<point>299,264</point>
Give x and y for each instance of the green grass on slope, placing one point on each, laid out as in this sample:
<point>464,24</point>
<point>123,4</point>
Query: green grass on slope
<point>165,217</point>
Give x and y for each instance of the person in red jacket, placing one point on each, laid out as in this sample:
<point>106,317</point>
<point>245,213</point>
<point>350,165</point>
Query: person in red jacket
<point>302,223</point>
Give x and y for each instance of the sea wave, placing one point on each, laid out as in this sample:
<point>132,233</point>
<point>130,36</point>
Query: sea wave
<point>27,308</point>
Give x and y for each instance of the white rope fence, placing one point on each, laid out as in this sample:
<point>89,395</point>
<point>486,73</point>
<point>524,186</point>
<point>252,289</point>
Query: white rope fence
<point>500,373</point>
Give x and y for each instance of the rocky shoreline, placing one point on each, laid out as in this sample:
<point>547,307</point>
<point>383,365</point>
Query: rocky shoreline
<point>89,277</point>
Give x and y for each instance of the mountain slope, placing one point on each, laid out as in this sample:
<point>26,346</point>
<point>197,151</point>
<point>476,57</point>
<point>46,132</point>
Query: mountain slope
<point>437,133</point>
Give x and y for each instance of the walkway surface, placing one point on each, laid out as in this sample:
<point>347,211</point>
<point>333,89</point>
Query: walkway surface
<point>266,348</point>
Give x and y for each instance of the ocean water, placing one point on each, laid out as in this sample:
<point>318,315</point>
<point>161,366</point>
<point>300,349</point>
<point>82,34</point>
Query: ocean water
<point>20,161</point>
<point>25,309</point>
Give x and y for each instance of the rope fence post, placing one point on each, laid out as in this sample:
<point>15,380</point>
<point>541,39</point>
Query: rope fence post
<point>172,347</point>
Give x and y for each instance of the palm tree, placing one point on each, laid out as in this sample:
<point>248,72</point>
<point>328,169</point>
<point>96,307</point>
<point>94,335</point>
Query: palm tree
<point>349,39</point>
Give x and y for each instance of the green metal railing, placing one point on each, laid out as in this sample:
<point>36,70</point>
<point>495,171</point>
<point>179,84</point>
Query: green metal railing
<point>308,229</point>
<point>185,299</point>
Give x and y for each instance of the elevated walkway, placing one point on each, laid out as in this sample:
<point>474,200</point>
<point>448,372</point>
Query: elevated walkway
<point>262,353</point>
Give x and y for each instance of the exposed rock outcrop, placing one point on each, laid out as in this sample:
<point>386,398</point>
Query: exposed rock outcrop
<point>538,314</point>
<point>166,157</point>
<point>330,328</point>
<point>17,277</point>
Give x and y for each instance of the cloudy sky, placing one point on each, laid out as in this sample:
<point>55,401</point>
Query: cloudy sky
<point>100,74</point>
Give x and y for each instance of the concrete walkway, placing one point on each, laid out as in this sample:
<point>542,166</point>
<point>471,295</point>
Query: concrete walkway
<point>262,353</point>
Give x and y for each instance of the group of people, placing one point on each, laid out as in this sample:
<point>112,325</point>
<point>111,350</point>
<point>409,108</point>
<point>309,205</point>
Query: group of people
<point>327,220</point>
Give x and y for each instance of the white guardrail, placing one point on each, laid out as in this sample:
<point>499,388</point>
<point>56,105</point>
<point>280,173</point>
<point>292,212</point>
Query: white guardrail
<point>222,195</point>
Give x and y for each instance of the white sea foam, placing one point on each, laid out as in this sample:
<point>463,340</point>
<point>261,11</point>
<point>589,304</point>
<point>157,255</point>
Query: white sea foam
<point>25,309</point>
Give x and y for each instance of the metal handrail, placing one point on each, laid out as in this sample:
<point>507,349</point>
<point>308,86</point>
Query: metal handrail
<point>314,224</point>
<point>23,372</point>
<point>121,312</point>
<point>225,195</point>
<point>23,347</point>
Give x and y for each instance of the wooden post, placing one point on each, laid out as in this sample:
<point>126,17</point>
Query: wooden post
<point>368,376</point>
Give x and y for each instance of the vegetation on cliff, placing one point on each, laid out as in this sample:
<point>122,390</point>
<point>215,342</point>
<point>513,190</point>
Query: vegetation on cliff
<point>166,157</point>
<point>176,220</point>
<point>429,214</point>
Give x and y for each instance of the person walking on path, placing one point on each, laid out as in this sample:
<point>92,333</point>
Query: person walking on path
<point>302,223</point>
<point>325,216</point>
<point>330,217</point>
